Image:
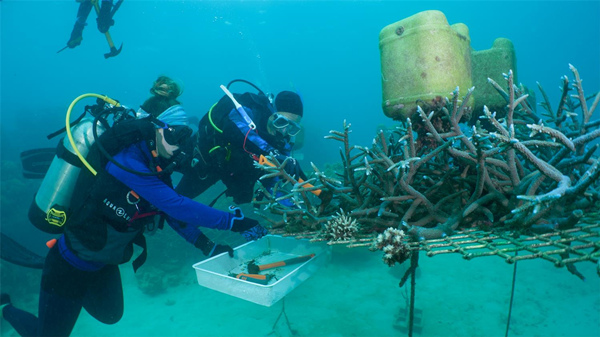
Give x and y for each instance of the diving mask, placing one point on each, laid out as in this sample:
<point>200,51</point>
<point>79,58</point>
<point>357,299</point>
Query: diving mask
<point>285,125</point>
<point>177,134</point>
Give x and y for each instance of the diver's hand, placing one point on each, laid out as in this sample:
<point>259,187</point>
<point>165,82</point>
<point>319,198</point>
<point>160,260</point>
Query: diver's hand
<point>221,249</point>
<point>249,228</point>
<point>210,248</point>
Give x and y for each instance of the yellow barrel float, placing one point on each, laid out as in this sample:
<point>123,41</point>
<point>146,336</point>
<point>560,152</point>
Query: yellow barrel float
<point>422,57</point>
<point>492,63</point>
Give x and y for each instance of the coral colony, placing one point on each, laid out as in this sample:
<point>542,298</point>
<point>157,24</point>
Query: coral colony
<point>392,243</point>
<point>341,227</point>
<point>444,170</point>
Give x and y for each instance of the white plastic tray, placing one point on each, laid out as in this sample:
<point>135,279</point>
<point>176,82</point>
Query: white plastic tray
<point>218,273</point>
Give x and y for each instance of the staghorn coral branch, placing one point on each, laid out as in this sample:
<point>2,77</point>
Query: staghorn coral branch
<point>492,118</point>
<point>546,103</point>
<point>458,115</point>
<point>525,104</point>
<point>480,178</point>
<point>482,201</point>
<point>581,96</point>
<point>540,143</point>
<point>427,120</point>
<point>544,167</point>
<point>585,159</point>
<point>498,88</point>
<point>399,198</point>
<point>443,202</point>
<point>411,140</point>
<point>418,163</point>
<point>511,104</point>
<point>563,99</point>
<point>532,189</point>
<point>383,142</point>
<point>519,101</point>
<point>594,104</point>
<point>584,139</point>
<point>589,177</point>
<point>535,128</point>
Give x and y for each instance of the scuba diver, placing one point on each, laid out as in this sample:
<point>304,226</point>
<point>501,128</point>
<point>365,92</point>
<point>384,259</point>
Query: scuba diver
<point>109,210</point>
<point>226,147</point>
<point>104,21</point>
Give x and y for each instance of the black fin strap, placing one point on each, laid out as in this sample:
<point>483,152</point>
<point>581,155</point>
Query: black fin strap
<point>212,203</point>
<point>73,123</point>
<point>66,155</point>
<point>140,241</point>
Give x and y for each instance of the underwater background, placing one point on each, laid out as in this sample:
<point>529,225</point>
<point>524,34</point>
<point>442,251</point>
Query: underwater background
<point>328,52</point>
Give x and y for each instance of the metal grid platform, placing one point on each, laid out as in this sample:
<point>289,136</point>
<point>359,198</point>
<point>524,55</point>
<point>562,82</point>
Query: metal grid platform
<point>561,247</point>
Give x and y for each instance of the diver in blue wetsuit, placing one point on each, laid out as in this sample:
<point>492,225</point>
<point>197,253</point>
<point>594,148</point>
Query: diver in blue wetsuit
<point>109,213</point>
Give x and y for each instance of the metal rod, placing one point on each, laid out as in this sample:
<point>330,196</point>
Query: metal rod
<point>512,296</point>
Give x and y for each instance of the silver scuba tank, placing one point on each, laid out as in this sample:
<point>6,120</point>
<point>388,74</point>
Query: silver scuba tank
<point>48,211</point>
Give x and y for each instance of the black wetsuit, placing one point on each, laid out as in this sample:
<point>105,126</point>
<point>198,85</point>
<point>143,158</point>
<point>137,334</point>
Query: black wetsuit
<point>66,290</point>
<point>228,156</point>
<point>81,270</point>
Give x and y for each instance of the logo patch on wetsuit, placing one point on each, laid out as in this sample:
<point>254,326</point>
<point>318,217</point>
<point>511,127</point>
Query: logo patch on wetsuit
<point>119,211</point>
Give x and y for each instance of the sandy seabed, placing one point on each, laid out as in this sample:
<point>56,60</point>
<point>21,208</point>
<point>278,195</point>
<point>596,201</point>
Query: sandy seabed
<point>356,294</point>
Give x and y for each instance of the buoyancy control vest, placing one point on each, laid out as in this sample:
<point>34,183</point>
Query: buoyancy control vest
<point>107,217</point>
<point>220,150</point>
<point>212,142</point>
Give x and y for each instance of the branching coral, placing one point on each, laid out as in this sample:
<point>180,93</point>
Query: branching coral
<point>438,174</point>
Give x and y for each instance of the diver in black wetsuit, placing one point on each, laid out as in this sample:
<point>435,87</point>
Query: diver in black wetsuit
<point>225,148</point>
<point>104,20</point>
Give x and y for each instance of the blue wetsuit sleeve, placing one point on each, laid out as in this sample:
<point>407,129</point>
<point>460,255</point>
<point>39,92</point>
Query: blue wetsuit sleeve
<point>253,138</point>
<point>188,232</point>
<point>162,196</point>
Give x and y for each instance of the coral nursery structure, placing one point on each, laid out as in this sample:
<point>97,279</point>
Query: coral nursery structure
<point>526,173</point>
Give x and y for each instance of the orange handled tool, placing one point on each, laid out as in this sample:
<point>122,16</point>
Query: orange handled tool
<point>262,160</point>
<point>255,278</point>
<point>253,268</point>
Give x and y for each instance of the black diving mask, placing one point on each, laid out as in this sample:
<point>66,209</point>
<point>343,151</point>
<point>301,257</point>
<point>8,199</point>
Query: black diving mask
<point>177,135</point>
<point>281,122</point>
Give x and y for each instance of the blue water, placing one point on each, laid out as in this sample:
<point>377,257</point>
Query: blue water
<point>325,50</point>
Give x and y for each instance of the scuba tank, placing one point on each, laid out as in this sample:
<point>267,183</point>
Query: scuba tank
<point>49,209</point>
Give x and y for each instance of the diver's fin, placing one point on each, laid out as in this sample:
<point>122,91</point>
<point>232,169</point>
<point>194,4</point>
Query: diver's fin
<point>115,8</point>
<point>36,162</point>
<point>13,252</point>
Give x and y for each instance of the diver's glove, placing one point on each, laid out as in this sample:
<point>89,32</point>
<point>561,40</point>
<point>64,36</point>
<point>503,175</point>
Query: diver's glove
<point>210,248</point>
<point>249,228</point>
<point>105,19</point>
<point>292,167</point>
<point>269,185</point>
